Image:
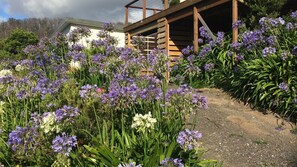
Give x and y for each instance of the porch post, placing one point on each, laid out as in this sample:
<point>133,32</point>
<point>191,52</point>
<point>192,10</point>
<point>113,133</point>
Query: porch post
<point>195,21</point>
<point>126,16</point>
<point>128,40</point>
<point>234,19</point>
<point>167,46</point>
<point>144,9</point>
<point>166,4</point>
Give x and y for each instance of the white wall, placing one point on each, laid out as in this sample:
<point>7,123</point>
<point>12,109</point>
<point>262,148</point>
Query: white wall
<point>120,36</point>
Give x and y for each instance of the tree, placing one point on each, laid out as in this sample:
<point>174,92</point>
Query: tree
<point>18,40</point>
<point>172,2</point>
<point>263,8</point>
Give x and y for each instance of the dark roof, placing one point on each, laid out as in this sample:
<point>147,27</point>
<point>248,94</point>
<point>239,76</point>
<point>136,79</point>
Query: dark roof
<point>85,23</point>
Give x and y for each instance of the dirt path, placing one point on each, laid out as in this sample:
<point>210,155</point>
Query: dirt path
<point>241,137</point>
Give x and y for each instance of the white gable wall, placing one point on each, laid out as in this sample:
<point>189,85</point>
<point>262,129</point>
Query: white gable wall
<point>120,36</point>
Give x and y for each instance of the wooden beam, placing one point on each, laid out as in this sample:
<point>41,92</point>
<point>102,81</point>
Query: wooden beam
<point>143,29</point>
<point>143,9</point>
<point>234,19</point>
<point>206,27</point>
<point>126,16</point>
<point>195,20</point>
<point>180,43</point>
<point>181,38</point>
<point>173,10</point>
<point>173,48</point>
<point>175,53</point>
<point>167,36</point>
<point>166,4</point>
<point>180,15</point>
<point>131,3</point>
<point>180,32</point>
<point>211,4</point>
<point>137,7</point>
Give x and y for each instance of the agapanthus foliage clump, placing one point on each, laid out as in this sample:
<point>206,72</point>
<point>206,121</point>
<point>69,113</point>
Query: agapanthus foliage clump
<point>257,69</point>
<point>73,102</point>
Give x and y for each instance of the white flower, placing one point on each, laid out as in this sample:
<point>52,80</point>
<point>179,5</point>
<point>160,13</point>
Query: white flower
<point>19,68</point>
<point>143,122</point>
<point>1,107</point>
<point>75,65</point>
<point>48,123</point>
<point>5,72</point>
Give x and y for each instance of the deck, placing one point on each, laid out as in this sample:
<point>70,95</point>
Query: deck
<point>177,27</point>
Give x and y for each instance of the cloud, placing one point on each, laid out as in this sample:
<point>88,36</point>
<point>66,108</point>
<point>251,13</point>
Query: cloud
<point>102,10</point>
<point>2,19</point>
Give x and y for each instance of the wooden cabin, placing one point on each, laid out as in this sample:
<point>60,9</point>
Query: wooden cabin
<point>69,24</point>
<point>174,28</point>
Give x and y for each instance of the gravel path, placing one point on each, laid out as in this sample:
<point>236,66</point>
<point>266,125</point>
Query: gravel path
<point>241,137</point>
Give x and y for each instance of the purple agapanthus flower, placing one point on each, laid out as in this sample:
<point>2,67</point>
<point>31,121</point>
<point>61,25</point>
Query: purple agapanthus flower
<point>236,46</point>
<point>172,162</point>
<point>289,26</point>
<point>283,86</point>
<point>268,51</point>
<point>64,144</point>
<point>88,91</point>
<point>204,34</point>
<point>77,47</point>
<point>183,91</point>
<point>67,113</point>
<point>220,38</point>
<point>250,39</point>
<point>189,139</point>
<point>16,138</point>
<point>108,27</point>
<point>190,58</point>
<point>268,23</point>
<point>237,24</point>
<point>294,51</point>
<point>204,51</point>
<point>208,66</point>
<point>188,50</point>
<point>131,164</point>
<point>285,55</point>
<point>294,14</point>
<point>271,40</point>
<point>240,57</point>
<point>23,139</point>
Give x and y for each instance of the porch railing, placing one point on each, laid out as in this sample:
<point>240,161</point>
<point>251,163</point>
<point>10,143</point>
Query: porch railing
<point>142,7</point>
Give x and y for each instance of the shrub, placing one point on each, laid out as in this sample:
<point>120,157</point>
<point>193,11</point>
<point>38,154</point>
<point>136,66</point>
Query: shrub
<point>67,105</point>
<point>259,69</point>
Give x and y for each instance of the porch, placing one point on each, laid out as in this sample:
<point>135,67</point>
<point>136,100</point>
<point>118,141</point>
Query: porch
<point>177,26</point>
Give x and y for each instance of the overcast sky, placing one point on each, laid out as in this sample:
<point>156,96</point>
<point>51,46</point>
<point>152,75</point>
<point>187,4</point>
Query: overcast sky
<point>101,10</point>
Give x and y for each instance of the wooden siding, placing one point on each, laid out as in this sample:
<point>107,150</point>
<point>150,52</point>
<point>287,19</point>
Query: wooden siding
<point>181,35</point>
